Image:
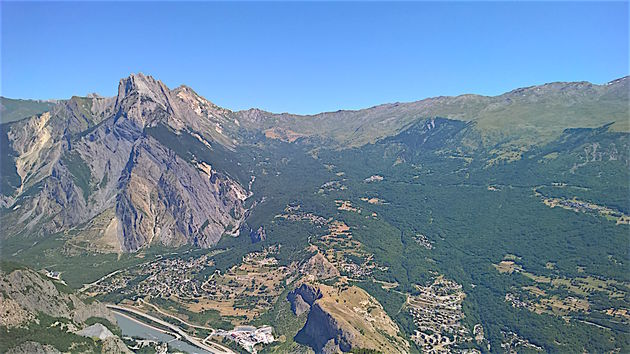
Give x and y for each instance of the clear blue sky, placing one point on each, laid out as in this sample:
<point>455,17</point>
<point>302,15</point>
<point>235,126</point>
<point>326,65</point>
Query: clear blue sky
<point>310,57</point>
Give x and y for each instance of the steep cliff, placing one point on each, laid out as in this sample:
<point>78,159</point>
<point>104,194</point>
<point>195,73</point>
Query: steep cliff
<point>344,318</point>
<point>303,297</point>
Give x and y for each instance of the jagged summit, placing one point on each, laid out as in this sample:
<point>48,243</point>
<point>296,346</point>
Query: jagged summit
<point>141,83</point>
<point>145,86</point>
<point>145,101</point>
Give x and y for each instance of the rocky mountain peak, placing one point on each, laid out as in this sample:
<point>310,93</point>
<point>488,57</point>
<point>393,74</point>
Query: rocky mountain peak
<point>142,84</point>
<point>143,99</point>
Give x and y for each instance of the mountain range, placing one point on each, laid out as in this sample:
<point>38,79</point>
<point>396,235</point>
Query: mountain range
<point>450,223</point>
<point>107,161</point>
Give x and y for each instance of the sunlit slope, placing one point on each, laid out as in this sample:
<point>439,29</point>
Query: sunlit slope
<point>538,112</point>
<point>14,109</point>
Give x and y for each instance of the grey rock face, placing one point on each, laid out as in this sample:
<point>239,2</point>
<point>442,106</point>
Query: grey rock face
<point>299,306</point>
<point>318,267</point>
<point>303,297</point>
<point>31,293</point>
<point>322,333</point>
<point>36,294</point>
<point>163,196</point>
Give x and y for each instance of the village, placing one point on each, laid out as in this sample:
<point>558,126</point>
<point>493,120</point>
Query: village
<point>165,277</point>
<point>585,207</point>
<point>437,313</point>
<point>173,277</point>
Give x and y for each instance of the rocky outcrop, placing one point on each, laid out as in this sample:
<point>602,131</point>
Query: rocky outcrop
<point>13,315</point>
<point>35,294</point>
<point>323,333</point>
<point>96,330</point>
<point>114,345</point>
<point>342,319</point>
<point>302,297</point>
<point>298,305</point>
<point>319,268</point>
<point>38,142</point>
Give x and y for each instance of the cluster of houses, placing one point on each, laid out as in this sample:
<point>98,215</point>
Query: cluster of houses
<point>515,301</point>
<point>437,313</point>
<point>174,276</point>
<point>162,278</point>
<point>424,241</point>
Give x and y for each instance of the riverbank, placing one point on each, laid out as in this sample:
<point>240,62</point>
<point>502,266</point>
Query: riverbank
<point>208,347</point>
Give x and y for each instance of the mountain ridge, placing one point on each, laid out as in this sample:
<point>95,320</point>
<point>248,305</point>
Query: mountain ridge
<point>620,80</point>
<point>532,111</point>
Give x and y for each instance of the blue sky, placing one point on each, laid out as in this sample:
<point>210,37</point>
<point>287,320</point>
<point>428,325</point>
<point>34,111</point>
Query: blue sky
<point>310,57</point>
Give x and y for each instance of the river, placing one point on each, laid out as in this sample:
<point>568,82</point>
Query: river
<point>135,328</point>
